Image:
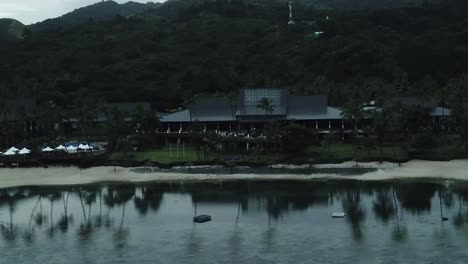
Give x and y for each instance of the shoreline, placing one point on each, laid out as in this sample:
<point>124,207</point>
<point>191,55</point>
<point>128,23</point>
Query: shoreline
<point>63,176</point>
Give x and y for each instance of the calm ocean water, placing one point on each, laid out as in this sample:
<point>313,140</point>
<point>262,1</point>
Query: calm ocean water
<point>252,222</point>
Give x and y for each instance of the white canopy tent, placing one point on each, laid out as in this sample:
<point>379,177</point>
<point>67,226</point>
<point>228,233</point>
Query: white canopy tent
<point>24,151</point>
<point>47,149</point>
<point>84,147</point>
<point>72,149</point>
<point>13,149</point>
<point>9,153</point>
<point>61,147</point>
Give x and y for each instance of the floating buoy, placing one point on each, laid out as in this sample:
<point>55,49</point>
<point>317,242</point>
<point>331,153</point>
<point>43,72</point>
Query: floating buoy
<point>338,215</point>
<point>201,218</point>
<point>445,219</point>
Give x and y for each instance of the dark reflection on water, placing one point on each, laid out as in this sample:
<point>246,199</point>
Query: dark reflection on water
<point>253,222</point>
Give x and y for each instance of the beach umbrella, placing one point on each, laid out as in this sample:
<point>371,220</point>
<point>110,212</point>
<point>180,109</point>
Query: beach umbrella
<point>9,153</point>
<point>24,151</point>
<point>47,149</point>
<point>61,147</point>
<point>84,147</point>
<point>13,149</point>
<point>72,148</point>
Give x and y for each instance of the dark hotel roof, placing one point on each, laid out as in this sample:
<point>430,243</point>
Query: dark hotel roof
<point>287,107</point>
<point>211,109</point>
<point>300,105</point>
<point>410,102</point>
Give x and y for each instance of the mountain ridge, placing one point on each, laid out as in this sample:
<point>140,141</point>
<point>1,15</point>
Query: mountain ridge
<point>100,11</point>
<point>169,54</point>
<point>11,29</point>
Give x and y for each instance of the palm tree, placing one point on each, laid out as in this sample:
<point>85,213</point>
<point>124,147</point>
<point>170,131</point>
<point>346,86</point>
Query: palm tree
<point>353,111</point>
<point>86,112</point>
<point>232,98</point>
<point>380,128</point>
<point>266,105</point>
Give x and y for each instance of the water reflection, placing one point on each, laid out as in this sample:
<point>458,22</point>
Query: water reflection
<point>258,215</point>
<point>416,197</point>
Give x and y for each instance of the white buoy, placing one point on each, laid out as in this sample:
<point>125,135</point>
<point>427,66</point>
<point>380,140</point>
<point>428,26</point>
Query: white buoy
<point>338,215</point>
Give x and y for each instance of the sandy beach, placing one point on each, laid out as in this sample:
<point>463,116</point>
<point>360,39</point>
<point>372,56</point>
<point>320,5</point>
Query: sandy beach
<point>451,170</point>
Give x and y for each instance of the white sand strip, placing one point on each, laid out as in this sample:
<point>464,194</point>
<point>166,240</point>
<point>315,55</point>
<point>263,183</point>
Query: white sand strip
<point>456,170</point>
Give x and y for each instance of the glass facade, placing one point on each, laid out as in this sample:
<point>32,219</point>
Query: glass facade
<point>253,96</point>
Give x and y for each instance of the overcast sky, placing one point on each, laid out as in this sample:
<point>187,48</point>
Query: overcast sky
<point>31,11</point>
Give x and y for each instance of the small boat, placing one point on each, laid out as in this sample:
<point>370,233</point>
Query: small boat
<point>201,218</point>
<point>338,215</point>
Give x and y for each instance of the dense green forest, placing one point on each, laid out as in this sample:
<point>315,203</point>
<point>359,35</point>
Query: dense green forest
<point>101,11</point>
<point>169,54</point>
<point>10,29</point>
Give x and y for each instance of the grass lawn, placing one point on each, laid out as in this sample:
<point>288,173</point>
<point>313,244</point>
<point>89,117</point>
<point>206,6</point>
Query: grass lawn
<point>345,152</point>
<point>337,153</point>
<point>443,152</point>
<point>163,155</point>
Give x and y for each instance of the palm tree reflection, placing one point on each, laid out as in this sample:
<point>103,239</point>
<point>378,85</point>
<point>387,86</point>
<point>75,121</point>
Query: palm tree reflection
<point>121,195</point>
<point>85,227</point>
<point>399,233</point>
<point>40,217</point>
<point>52,196</point>
<point>64,219</point>
<point>9,198</point>
<point>9,230</point>
<point>383,206</point>
<point>355,214</point>
<point>459,218</point>
<point>28,234</point>
<point>150,198</point>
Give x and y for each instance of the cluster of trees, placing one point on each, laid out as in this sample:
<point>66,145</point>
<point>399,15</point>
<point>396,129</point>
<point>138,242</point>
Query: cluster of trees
<point>220,46</point>
<point>84,119</point>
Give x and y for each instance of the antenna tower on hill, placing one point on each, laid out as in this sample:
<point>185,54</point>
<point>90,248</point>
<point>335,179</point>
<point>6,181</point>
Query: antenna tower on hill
<point>291,21</point>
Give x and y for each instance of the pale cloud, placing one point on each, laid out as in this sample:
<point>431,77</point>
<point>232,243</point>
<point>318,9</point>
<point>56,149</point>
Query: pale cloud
<point>31,11</point>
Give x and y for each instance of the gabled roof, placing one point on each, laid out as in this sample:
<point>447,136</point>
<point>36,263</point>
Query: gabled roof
<point>207,109</point>
<point>306,105</point>
<point>179,117</point>
<point>410,102</point>
<point>330,113</point>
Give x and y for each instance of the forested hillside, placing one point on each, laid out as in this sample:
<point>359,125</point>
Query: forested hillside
<point>10,29</point>
<point>171,53</point>
<point>101,11</point>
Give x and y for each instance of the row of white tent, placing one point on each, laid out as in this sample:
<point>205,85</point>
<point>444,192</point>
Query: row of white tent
<point>24,151</point>
<point>13,151</point>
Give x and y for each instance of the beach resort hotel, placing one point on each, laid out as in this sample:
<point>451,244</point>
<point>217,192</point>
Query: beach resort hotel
<point>243,114</point>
